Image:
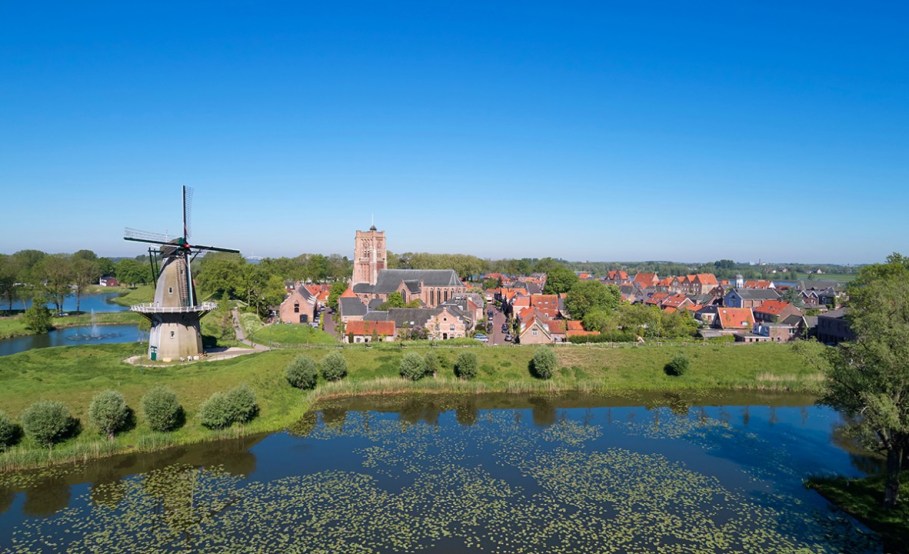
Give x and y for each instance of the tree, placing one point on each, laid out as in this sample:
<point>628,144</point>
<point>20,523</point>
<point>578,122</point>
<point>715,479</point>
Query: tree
<point>55,273</point>
<point>466,366</point>
<point>413,366</point>
<point>335,292</point>
<point>37,317</point>
<point>302,373</point>
<point>10,432</point>
<point>84,272</point>
<point>132,272</point>
<point>47,422</point>
<point>598,319</point>
<point>8,273</point>
<point>395,300</point>
<point>585,296</point>
<point>162,410</point>
<point>544,363</point>
<point>334,366</point>
<point>677,366</point>
<point>109,412</point>
<point>868,378</point>
<point>560,279</point>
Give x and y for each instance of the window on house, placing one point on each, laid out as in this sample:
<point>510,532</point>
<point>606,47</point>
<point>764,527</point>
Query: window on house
<point>451,327</point>
<point>296,308</point>
<point>170,290</point>
<point>533,332</point>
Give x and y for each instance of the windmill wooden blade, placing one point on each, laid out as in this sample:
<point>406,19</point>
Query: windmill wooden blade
<point>214,248</point>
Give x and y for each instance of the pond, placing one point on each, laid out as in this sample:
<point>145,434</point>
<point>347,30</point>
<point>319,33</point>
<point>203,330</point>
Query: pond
<point>495,473</point>
<point>69,336</point>
<point>101,302</point>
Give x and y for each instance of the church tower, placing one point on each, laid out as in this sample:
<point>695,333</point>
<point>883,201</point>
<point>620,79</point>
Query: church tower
<point>369,256</point>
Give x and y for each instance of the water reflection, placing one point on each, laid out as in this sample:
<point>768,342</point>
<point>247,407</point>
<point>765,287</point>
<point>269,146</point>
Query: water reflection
<point>398,473</point>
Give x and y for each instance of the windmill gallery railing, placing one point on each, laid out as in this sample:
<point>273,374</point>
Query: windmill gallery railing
<point>153,308</point>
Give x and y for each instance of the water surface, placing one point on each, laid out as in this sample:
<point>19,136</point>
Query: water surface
<point>487,473</point>
<point>70,336</point>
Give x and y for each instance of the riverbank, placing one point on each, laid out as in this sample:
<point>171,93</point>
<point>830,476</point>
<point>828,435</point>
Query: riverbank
<point>73,375</point>
<point>14,326</point>
<point>861,498</point>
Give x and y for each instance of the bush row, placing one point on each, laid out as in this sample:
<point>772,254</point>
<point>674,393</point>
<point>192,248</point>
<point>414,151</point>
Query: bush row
<point>50,422</point>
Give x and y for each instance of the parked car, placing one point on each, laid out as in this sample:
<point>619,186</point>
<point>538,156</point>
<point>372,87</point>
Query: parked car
<point>508,338</point>
<point>481,337</point>
<point>504,327</point>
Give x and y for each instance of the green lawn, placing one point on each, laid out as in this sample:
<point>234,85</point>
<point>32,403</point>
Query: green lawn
<point>73,375</point>
<point>142,294</point>
<point>290,335</point>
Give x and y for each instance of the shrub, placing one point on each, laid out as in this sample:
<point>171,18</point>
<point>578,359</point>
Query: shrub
<point>334,367</point>
<point>302,373</point>
<point>242,404</point>
<point>432,362</point>
<point>10,432</point>
<point>162,410</point>
<point>677,366</point>
<point>413,367</point>
<point>543,364</point>
<point>109,412</point>
<point>466,365</point>
<point>222,410</point>
<point>215,412</point>
<point>47,422</point>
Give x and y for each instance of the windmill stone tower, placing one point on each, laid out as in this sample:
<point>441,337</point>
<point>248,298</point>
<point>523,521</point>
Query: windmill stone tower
<point>175,313</point>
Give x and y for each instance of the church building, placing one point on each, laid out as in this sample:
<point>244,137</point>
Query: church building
<point>373,281</point>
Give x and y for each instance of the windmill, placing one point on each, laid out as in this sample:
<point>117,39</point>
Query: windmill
<point>175,312</point>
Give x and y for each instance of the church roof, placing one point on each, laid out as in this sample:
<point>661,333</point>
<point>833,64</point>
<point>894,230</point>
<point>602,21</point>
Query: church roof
<point>389,279</point>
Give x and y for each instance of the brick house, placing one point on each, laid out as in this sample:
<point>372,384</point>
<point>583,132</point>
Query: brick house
<point>534,330</point>
<point>774,311</point>
<point>300,306</point>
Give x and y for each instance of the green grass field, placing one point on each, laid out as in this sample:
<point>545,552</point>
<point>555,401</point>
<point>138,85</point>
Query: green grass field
<point>287,335</point>
<point>73,375</point>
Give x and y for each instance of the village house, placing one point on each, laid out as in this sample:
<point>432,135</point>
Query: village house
<point>734,319</point>
<point>300,306</point>
<point>108,281</point>
<point>356,332</point>
<point>350,307</point>
<point>748,298</point>
<point>440,323</point>
<point>534,330</point>
<point>833,327</point>
<point>775,311</point>
<point>646,280</point>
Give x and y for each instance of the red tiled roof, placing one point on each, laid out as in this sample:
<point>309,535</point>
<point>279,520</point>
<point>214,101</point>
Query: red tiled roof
<point>574,325</point>
<point>707,279</point>
<point>367,328</point>
<point>657,298</point>
<point>646,279</point>
<point>675,301</point>
<point>772,307</point>
<point>349,293</point>
<point>670,309</point>
<point>581,333</point>
<point>735,318</point>
<point>557,326</point>
<point>757,284</point>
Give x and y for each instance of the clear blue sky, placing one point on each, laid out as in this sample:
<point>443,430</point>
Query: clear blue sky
<point>587,131</point>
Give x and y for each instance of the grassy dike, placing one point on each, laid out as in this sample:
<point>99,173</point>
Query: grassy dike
<point>73,375</point>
